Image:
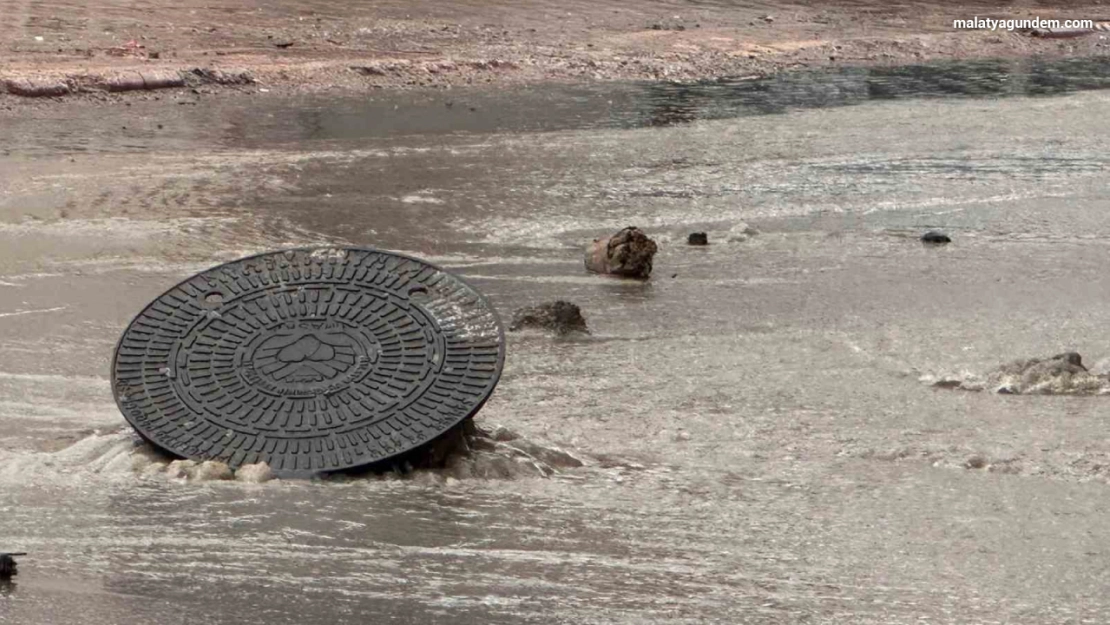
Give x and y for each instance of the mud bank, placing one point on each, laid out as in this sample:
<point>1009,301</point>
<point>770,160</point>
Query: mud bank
<point>296,47</point>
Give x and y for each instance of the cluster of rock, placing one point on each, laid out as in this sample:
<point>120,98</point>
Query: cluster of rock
<point>628,253</point>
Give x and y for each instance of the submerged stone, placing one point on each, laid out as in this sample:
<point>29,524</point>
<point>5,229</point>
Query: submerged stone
<point>1071,358</point>
<point>1062,374</point>
<point>560,317</point>
<point>935,237</point>
<point>8,566</point>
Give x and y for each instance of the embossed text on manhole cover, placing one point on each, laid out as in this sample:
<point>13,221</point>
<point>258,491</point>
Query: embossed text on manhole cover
<point>310,360</point>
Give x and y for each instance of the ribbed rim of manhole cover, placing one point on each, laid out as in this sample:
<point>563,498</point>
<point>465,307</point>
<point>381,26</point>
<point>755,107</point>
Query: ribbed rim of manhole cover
<point>310,360</point>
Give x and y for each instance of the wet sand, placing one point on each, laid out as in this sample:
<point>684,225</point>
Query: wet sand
<point>762,444</point>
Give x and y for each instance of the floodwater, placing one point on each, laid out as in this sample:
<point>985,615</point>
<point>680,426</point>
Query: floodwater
<point>761,442</point>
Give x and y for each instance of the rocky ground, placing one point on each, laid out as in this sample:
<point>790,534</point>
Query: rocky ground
<point>102,48</point>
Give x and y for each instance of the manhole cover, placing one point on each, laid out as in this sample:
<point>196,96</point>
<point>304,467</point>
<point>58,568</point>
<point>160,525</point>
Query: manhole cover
<point>310,360</point>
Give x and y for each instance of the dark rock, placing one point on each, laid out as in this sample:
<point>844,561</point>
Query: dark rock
<point>1061,374</point>
<point>698,238</point>
<point>935,237</point>
<point>8,565</point>
<point>1071,358</point>
<point>560,317</point>
<point>976,462</point>
<point>627,253</point>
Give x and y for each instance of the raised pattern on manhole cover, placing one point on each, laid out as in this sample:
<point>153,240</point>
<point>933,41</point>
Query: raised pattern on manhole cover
<point>310,360</point>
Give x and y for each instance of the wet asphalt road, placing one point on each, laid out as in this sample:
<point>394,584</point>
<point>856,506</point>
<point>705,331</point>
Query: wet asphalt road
<point>760,445</point>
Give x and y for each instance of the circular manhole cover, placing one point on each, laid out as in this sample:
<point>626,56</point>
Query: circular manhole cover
<point>310,360</point>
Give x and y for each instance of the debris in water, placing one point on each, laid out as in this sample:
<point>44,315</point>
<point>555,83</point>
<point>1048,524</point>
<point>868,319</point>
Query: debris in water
<point>560,317</point>
<point>1062,374</point>
<point>627,253</point>
<point>8,564</point>
<point>935,237</point>
<point>698,238</point>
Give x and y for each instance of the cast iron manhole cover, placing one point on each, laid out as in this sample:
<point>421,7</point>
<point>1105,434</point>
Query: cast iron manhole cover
<point>310,359</point>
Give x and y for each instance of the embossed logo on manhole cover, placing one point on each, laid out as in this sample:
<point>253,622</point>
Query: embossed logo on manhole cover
<point>310,360</point>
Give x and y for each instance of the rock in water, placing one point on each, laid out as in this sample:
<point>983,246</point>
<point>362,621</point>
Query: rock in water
<point>1071,358</point>
<point>8,567</point>
<point>1062,374</point>
<point>560,317</point>
<point>698,238</point>
<point>935,237</point>
<point>627,253</point>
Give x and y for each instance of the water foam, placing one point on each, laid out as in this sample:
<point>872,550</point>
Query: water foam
<point>1030,376</point>
<point>120,455</point>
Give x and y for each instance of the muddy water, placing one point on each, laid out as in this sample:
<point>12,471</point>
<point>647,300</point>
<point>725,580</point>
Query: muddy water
<point>762,443</point>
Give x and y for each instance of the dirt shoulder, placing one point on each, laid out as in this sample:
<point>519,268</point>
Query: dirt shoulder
<point>108,47</point>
